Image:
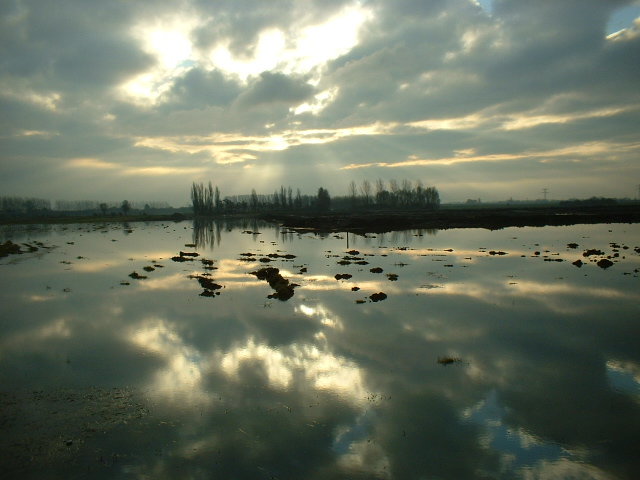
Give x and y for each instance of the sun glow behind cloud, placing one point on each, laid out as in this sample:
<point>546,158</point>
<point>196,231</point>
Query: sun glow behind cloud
<point>296,52</point>
<point>270,45</point>
<point>321,100</point>
<point>226,148</point>
<point>303,52</point>
<point>90,163</point>
<point>576,153</point>
<point>168,40</point>
<point>291,52</point>
<point>95,165</point>
<point>321,43</point>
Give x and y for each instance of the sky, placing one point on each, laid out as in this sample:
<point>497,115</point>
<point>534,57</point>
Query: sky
<point>489,99</point>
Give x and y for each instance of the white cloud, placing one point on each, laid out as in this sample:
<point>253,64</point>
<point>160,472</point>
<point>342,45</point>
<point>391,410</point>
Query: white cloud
<point>321,369</point>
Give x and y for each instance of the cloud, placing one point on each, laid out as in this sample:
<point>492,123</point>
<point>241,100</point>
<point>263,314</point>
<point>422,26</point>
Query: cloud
<point>238,24</point>
<point>273,88</point>
<point>101,62</point>
<point>199,88</point>
<point>91,163</point>
<point>195,87</point>
<point>69,45</point>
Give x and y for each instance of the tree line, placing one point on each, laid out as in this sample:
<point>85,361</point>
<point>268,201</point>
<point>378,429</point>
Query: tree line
<point>393,194</point>
<point>23,205</point>
<point>206,200</point>
<point>12,205</point>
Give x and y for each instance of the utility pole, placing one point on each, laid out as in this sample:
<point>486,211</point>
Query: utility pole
<point>544,193</point>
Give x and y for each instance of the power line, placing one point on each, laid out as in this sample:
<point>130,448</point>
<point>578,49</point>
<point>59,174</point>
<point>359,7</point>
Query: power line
<point>545,191</point>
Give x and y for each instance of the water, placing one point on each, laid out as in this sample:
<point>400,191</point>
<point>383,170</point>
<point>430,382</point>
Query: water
<point>477,364</point>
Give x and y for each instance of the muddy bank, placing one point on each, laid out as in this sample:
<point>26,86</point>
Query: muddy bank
<point>64,219</point>
<point>447,218</point>
<point>46,429</point>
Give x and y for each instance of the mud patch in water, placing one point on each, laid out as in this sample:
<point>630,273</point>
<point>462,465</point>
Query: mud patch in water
<point>42,428</point>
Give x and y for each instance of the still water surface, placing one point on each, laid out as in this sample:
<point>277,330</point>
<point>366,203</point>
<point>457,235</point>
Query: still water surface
<point>492,355</point>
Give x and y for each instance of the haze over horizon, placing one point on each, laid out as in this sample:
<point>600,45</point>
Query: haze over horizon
<point>487,99</point>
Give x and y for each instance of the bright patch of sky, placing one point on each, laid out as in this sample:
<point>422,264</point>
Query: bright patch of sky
<point>270,44</point>
<point>487,5</point>
<point>168,40</point>
<point>619,20</point>
<point>623,18</point>
<point>320,101</point>
<point>624,377</point>
<point>523,450</point>
<point>312,47</point>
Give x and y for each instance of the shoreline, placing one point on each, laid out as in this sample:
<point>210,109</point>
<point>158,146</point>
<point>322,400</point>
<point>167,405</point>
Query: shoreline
<point>490,218</point>
<point>379,221</point>
<point>64,219</point>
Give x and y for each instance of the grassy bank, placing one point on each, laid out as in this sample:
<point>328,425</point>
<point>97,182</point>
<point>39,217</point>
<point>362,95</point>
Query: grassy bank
<point>175,217</point>
<point>442,219</point>
<point>389,220</point>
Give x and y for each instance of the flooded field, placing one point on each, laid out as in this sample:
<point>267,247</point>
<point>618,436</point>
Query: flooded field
<point>245,351</point>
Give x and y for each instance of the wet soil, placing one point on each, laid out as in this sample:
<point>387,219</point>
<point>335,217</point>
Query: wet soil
<point>283,288</point>
<point>45,428</point>
<point>9,248</point>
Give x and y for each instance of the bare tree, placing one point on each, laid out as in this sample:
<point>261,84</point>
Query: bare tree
<point>432,197</point>
<point>405,192</point>
<point>324,199</point>
<point>353,193</point>
<point>419,193</point>
<point>209,200</point>
<point>126,206</point>
<point>202,198</point>
<point>216,199</point>
<point>365,188</point>
<point>382,196</point>
<point>196,198</point>
<point>395,190</point>
<point>254,200</point>
<point>298,200</point>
